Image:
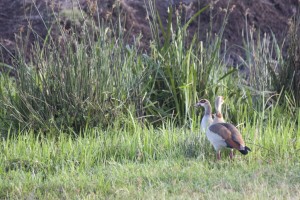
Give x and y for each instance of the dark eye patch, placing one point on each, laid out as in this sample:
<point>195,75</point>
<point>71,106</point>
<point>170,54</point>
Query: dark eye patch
<point>202,101</point>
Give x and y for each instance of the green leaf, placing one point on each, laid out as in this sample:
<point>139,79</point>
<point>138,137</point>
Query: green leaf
<point>227,74</point>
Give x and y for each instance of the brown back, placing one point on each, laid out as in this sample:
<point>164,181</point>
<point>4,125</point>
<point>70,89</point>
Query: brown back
<point>229,133</point>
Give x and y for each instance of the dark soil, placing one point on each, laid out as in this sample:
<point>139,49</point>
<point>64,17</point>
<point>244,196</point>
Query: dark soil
<point>267,16</point>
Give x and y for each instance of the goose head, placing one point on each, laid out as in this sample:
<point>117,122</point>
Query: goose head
<point>203,102</point>
<point>207,117</point>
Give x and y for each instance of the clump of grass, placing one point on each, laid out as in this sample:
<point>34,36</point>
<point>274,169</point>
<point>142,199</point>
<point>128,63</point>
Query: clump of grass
<point>185,69</point>
<point>272,73</point>
<point>73,82</point>
<point>89,78</point>
<point>291,73</point>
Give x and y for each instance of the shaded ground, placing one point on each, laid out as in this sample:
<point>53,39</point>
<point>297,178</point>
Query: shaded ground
<point>268,16</point>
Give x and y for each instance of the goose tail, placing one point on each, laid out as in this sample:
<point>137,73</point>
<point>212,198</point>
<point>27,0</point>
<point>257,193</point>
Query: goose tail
<point>245,150</point>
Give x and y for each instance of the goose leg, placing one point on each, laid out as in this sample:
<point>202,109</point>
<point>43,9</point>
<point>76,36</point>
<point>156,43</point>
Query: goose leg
<point>231,154</point>
<point>218,155</point>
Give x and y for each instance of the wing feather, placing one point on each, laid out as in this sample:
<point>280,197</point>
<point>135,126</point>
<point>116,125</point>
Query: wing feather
<point>229,133</point>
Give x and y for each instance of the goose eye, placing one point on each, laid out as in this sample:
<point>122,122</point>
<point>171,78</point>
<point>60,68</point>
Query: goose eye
<point>202,101</point>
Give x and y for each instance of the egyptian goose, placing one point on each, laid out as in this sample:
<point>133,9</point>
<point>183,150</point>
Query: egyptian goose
<point>222,135</point>
<point>207,117</point>
<point>231,136</point>
<point>218,117</point>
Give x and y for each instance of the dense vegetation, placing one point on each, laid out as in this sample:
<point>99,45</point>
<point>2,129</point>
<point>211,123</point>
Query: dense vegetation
<point>91,116</point>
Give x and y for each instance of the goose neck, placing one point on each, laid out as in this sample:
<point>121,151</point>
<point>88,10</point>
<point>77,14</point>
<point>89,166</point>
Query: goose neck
<point>208,110</point>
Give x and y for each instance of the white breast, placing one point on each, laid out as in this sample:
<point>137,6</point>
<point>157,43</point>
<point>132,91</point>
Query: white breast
<point>216,140</point>
<point>206,122</point>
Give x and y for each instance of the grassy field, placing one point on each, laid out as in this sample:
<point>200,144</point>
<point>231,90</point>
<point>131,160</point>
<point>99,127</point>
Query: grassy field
<point>168,163</point>
<point>178,178</point>
<point>96,118</point>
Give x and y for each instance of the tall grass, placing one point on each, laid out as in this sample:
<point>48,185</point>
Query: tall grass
<point>72,83</point>
<point>89,77</point>
<point>271,70</point>
<point>291,73</point>
<point>186,68</point>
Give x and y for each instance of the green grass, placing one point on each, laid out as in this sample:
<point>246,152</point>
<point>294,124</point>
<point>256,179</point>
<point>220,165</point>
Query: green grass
<point>150,163</point>
<point>169,178</point>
